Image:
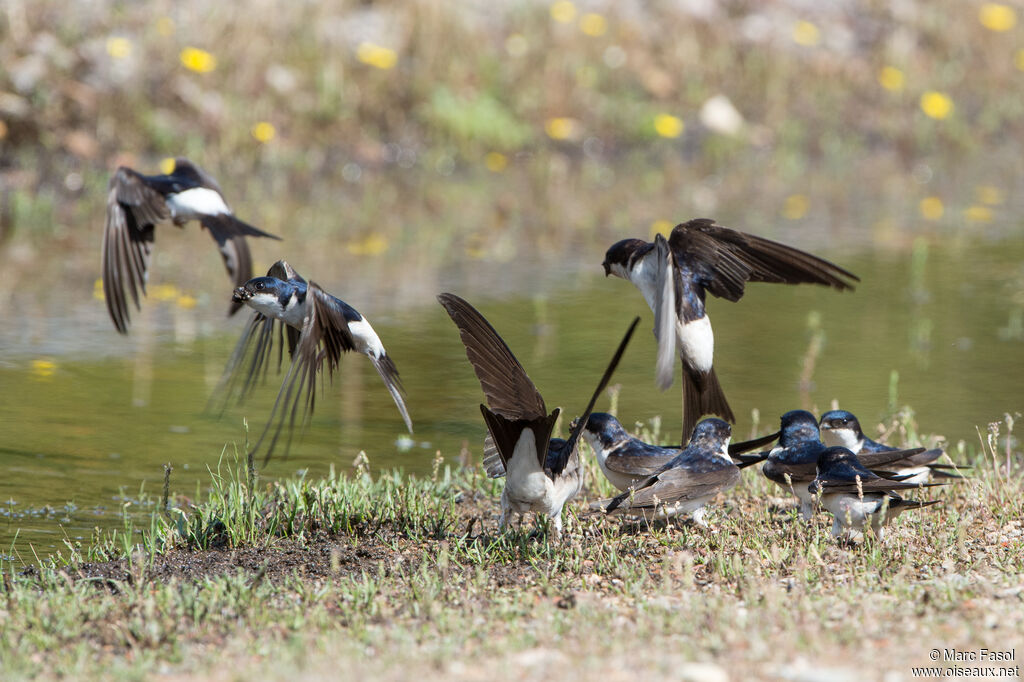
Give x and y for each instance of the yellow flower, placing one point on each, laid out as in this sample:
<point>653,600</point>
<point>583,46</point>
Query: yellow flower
<point>167,165</point>
<point>563,11</point>
<point>936,105</point>
<point>195,59</point>
<point>264,131</point>
<point>165,292</point>
<point>662,227</point>
<point>97,289</point>
<point>495,162</point>
<point>3,130</point>
<point>931,208</point>
<point>165,26</point>
<point>593,25</point>
<point>370,245</point>
<point>119,47</point>
<point>668,125</point>
<point>44,368</point>
<point>978,214</point>
<point>987,194</point>
<point>795,207</point>
<point>185,301</point>
<point>377,56</point>
<point>805,33</point>
<point>997,17</point>
<point>561,128</point>
<point>891,78</point>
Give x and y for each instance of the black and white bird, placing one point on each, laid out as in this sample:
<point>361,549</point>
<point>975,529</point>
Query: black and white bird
<point>625,460</point>
<point>318,328</point>
<point>684,484</point>
<point>857,497</point>
<point>136,203</point>
<point>541,473</point>
<point>676,274</point>
<point>842,428</point>
<point>792,464</point>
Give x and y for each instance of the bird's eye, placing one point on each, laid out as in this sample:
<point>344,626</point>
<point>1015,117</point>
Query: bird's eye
<point>259,285</point>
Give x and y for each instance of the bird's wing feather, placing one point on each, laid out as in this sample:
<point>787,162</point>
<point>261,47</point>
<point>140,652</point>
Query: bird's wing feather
<point>665,311</point>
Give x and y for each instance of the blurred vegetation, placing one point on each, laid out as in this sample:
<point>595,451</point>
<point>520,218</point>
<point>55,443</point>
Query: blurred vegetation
<point>549,100</point>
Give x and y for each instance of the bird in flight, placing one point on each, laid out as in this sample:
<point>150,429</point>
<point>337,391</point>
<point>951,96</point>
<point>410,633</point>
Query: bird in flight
<point>136,203</point>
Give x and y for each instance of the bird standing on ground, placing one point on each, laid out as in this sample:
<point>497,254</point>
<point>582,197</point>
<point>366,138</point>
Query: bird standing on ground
<point>541,473</point>
<point>319,328</point>
<point>675,274</point>
<point>136,203</point>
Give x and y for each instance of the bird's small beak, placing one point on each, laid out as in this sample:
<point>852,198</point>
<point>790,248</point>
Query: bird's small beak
<point>607,268</point>
<point>240,295</point>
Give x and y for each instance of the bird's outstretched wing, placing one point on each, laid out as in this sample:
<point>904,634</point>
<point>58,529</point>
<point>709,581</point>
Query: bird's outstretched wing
<point>724,260</point>
<point>229,232</point>
<point>671,485</point>
<point>513,401</point>
<point>133,209</point>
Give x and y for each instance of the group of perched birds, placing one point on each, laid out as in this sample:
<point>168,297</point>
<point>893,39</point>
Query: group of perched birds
<point>827,463</point>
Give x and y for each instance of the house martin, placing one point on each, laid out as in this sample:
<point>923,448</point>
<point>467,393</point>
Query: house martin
<point>541,473</point>
<point>684,484</point>
<point>675,274</point>
<point>858,497</point>
<point>136,203</point>
<point>841,428</point>
<point>318,328</point>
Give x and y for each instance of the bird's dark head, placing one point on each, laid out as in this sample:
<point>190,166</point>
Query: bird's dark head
<point>797,426</point>
<point>617,258</point>
<point>603,429</point>
<point>711,433</point>
<point>840,419</point>
<point>261,293</point>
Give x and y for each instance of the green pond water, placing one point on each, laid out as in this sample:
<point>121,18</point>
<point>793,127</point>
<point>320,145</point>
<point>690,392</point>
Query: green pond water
<point>90,418</point>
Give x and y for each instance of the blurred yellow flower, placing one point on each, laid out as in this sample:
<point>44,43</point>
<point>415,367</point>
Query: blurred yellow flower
<point>978,214</point>
<point>563,11</point>
<point>997,17</point>
<point>931,208</point>
<point>264,131</point>
<point>593,25</point>
<point>795,207</point>
<point>560,128</point>
<point>936,104</point>
<point>186,301</point>
<point>661,226</point>
<point>805,33</point>
<point>891,78</point>
<point>1018,59</point>
<point>97,290</point>
<point>165,26</point>
<point>989,194</point>
<point>200,61</point>
<point>376,55</point>
<point>165,292</point>
<point>3,130</point>
<point>167,165</point>
<point>119,47</point>
<point>44,368</point>
<point>668,125</point>
<point>495,162</point>
<point>370,245</point>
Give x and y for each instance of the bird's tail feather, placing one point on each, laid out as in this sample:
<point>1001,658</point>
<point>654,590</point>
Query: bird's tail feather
<point>702,394</point>
<point>389,373</point>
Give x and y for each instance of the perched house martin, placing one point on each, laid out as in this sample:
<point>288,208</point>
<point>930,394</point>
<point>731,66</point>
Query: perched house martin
<point>686,483</point>
<point>841,428</point>
<point>792,464</point>
<point>318,328</point>
<point>136,203</point>
<point>675,274</point>
<point>626,460</point>
<point>541,473</point>
<point>856,496</point>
